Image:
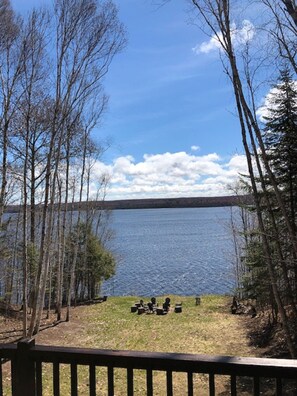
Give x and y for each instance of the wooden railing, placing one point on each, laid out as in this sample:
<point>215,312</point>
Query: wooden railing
<point>28,376</point>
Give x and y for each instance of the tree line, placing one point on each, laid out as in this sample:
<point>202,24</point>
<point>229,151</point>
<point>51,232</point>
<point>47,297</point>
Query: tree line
<point>52,65</point>
<point>264,59</point>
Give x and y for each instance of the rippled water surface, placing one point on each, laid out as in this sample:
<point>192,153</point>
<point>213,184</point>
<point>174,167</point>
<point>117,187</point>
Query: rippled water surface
<point>184,251</point>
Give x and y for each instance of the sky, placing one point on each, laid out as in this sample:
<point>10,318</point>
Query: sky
<point>171,119</point>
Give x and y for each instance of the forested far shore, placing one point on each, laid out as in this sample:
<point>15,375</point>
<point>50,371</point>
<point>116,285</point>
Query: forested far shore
<point>151,203</point>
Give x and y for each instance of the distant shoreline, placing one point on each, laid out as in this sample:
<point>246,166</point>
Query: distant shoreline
<point>155,203</point>
<point>193,202</point>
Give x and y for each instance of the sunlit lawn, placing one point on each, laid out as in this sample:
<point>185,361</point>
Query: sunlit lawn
<point>208,328</point>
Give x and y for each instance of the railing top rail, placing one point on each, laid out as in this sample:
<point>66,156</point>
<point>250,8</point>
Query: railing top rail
<point>165,356</point>
<point>7,350</point>
<point>174,361</point>
<point>249,366</point>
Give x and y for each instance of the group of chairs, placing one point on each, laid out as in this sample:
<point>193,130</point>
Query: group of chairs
<point>153,307</point>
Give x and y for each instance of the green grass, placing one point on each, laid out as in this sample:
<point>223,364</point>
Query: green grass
<point>208,328</point>
<point>205,329</point>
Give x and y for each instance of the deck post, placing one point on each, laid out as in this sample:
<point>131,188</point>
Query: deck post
<point>23,370</point>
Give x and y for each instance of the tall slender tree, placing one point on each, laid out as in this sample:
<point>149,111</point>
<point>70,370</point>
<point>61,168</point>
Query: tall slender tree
<point>280,134</point>
<point>217,16</point>
<point>11,70</point>
<point>87,36</point>
<point>280,137</point>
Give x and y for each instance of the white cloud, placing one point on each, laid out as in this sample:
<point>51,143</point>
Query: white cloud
<point>237,164</point>
<point>238,36</point>
<point>208,46</point>
<point>171,175</point>
<point>243,35</point>
<point>195,148</point>
<point>269,102</point>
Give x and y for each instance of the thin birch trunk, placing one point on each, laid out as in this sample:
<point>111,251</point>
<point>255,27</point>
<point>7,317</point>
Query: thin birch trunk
<point>219,10</point>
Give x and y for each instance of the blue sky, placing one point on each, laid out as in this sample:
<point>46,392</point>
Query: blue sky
<point>171,115</point>
<point>164,97</point>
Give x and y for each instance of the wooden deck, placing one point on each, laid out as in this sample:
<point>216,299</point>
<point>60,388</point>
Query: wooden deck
<point>27,361</point>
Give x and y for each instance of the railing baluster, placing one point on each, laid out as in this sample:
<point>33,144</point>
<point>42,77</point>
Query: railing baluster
<point>38,378</point>
<point>130,390</point>
<point>92,379</point>
<point>73,368</point>
<point>169,383</point>
<point>56,378</point>
<point>211,382</point>
<point>256,386</point>
<point>149,382</point>
<point>14,375</point>
<point>233,385</point>
<point>190,384</point>
<point>1,379</point>
<point>279,387</point>
<point>110,381</point>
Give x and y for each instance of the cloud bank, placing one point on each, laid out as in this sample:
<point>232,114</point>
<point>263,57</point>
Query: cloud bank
<point>165,175</point>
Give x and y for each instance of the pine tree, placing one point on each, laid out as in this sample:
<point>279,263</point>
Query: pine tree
<point>280,137</point>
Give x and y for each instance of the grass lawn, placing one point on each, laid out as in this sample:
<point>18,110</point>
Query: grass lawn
<point>205,329</point>
<point>208,328</point>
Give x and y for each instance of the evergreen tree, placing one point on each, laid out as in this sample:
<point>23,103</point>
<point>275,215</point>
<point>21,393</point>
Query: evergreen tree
<point>280,138</point>
<point>94,262</point>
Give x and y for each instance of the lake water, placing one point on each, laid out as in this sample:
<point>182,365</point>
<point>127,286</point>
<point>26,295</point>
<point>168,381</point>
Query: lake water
<point>185,251</point>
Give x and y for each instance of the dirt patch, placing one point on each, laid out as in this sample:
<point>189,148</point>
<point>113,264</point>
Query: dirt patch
<point>269,336</point>
<point>51,331</point>
<point>66,333</point>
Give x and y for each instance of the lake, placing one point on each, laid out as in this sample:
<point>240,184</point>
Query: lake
<point>185,251</point>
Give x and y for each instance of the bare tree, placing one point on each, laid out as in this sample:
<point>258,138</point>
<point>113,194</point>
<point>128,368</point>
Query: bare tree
<point>291,8</point>
<point>282,29</point>
<point>216,15</point>
<point>10,89</point>
<point>87,36</point>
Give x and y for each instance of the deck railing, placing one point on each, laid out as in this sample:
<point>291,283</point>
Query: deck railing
<point>28,372</point>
